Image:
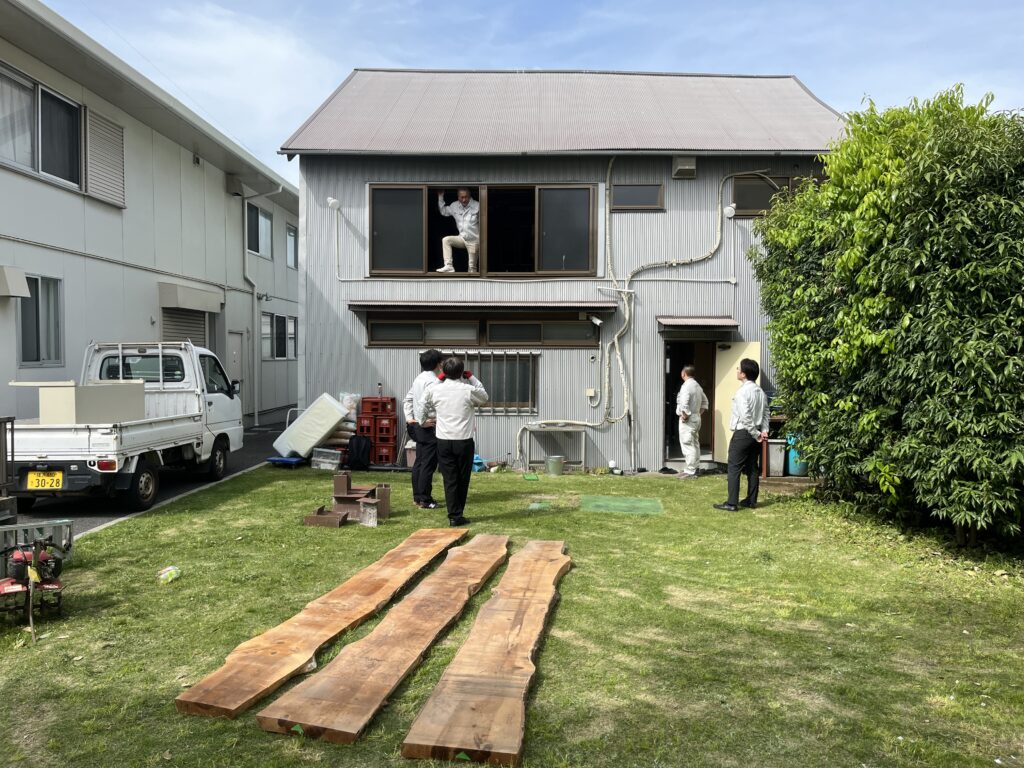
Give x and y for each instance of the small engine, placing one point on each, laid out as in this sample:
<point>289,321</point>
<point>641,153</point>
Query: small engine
<point>50,566</point>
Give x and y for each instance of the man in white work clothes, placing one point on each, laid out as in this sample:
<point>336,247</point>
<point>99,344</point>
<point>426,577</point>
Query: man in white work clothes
<point>691,403</point>
<point>466,212</point>
<point>749,425</point>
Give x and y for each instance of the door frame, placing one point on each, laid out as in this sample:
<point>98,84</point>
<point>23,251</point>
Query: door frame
<point>713,345</point>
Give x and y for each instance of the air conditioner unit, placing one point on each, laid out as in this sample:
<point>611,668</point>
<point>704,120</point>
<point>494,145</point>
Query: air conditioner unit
<point>684,167</point>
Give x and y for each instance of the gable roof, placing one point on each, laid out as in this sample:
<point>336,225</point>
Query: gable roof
<point>427,112</point>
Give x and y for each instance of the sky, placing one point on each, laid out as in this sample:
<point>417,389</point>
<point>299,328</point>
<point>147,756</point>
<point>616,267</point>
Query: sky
<point>257,69</point>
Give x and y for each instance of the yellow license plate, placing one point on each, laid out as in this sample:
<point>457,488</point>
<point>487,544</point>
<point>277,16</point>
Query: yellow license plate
<point>45,481</point>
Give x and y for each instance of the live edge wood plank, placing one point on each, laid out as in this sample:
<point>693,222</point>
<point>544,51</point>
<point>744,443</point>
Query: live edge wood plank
<point>261,665</point>
<point>339,701</point>
<point>478,709</point>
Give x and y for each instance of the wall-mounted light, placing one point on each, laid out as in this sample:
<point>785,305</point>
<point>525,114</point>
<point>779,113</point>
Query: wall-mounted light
<point>333,203</point>
<point>729,210</point>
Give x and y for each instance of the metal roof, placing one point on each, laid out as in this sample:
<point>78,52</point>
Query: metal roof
<point>598,305</point>
<point>698,322</point>
<point>34,28</point>
<point>428,112</point>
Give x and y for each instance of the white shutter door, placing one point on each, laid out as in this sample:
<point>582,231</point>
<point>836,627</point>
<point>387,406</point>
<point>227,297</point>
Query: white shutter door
<point>184,325</point>
<point>104,176</point>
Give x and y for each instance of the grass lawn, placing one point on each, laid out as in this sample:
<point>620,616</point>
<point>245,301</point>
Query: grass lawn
<point>793,635</point>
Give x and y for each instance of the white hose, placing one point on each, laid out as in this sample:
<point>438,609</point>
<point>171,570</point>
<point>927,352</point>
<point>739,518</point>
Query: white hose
<point>627,297</point>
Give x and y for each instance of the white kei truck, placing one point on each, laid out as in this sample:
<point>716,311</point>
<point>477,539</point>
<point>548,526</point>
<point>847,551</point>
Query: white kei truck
<point>137,408</point>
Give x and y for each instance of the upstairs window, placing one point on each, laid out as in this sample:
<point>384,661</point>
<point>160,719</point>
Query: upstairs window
<point>40,131</point>
<point>524,230</point>
<point>752,195</point>
<point>260,231</point>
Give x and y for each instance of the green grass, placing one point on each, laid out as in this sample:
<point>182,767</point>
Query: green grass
<point>794,635</point>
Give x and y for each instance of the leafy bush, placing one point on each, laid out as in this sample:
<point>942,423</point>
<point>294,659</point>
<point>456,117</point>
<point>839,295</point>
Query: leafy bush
<point>895,296</point>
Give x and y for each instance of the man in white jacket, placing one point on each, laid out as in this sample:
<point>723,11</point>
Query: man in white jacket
<point>691,403</point>
<point>420,425</point>
<point>749,425</point>
<point>466,212</point>
<point>454,399</point>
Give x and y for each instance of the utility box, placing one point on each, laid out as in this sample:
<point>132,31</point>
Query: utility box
<point>776,458</point>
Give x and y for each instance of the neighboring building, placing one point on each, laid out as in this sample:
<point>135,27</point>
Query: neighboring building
<point>123,217</point>
<point>537,150</point>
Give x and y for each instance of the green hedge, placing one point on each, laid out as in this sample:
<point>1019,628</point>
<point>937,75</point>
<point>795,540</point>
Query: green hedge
<point>895,292</point>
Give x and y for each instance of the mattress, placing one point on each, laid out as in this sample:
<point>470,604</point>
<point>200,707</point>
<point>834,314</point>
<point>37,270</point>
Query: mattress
<point>313,426</point>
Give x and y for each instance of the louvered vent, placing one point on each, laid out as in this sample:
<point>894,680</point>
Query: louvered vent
<point>105,160</point>
<point>184,325</point>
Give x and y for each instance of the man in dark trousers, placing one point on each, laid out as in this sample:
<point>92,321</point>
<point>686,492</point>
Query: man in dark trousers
<point>749,425</point>
<point>420,426</point>
<point>454,399</point>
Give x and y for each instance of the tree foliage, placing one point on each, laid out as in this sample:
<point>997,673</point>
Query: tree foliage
<point>895,296</point>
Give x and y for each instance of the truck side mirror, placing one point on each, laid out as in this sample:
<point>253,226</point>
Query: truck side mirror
<point>236,387</point>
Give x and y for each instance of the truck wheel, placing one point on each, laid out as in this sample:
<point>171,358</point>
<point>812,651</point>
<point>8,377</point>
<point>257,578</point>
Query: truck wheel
<point>217,464</point>
<point>25,504</point>
<point>145,484</point>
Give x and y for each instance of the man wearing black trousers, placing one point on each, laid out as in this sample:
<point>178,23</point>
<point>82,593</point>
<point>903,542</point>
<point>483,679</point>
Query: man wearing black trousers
<point>749,425</point>
<point>420,426</point>
<point>454,399</point>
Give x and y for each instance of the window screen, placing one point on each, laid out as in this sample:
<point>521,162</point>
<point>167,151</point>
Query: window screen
<point>571,332</point>
<point>463,333</point>
<point>636,196</point>
<point>60,138</point>
<point>753,195</point>
<point>267,335</point>
<point>513,333</point>
<point>17,121</point>
<point>564,230</point>
<point>280,336</point>
<point>397,229</point>
<point>293,324</point>
<point>396,332</point>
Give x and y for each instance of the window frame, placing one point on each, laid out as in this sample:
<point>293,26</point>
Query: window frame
<point>269,256</point>
<point>216,366</point>
<point>36,168</point>
<point>291,322</point>
<point>659,206</point>
<point>58,362</point>
<point>422,322</point>
<point>753,213</point>
<point>291,232</point>
<point>537,187</point>
<point>483,337</point>
<point>543,342</point>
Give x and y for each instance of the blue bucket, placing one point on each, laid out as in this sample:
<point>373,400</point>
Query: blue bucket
<point>796,466</point>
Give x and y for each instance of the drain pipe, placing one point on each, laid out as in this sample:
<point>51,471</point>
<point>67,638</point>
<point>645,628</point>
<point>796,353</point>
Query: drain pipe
<point>256,328</point>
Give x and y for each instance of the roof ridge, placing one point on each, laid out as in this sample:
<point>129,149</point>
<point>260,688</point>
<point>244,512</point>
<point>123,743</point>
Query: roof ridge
<point>401,70</point>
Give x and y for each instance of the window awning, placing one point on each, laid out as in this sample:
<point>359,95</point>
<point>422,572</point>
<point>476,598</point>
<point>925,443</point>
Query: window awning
<point>599,305</point>
<point>689,321</point>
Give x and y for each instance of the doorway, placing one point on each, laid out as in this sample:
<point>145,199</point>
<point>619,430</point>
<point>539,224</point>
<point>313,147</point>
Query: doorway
<point>700,354</point>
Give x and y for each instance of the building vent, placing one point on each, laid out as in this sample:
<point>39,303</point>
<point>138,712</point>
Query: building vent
<point>104,174</point>
<point>184,325</point>
<point>684,167</point>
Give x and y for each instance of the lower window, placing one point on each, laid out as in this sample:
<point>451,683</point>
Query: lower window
<point>278,337</point>
<point>510,379</point>
<point>40,322</point>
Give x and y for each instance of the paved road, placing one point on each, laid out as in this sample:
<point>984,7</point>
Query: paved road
<point>90,513</point>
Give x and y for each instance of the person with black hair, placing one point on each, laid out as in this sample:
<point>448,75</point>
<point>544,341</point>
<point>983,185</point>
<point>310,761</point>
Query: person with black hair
<point>420,425</point>
<point>454,399</point>
<point>749,425</point>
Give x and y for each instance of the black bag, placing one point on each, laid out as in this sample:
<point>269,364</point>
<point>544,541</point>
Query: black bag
<point>359,448</point>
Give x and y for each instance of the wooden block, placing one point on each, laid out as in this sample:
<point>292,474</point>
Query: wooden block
<point>322,517</point>
<point>261,665</point>
<point>479,706</point>
<point>338,702</point>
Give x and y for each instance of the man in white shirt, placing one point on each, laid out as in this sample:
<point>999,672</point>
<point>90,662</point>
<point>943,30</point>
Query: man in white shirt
<point>454,400</point>
<point>691,403</point>
<point>420,425</point>
<point>466,212</point>
<point>749,425</point>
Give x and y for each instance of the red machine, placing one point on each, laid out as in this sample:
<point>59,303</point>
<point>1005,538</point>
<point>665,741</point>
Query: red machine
<point>33,577</point>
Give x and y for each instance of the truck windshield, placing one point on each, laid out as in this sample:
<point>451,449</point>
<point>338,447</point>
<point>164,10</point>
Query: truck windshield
<point>145,367</point>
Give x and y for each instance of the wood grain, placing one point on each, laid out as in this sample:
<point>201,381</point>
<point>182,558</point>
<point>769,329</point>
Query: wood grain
<point>478,709</point>
<point>338,702</point>
<point>261,665</point>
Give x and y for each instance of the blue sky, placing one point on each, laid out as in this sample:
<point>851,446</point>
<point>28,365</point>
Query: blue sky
<point>257,69</point>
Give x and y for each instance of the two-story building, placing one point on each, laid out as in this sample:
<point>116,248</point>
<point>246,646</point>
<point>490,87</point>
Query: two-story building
<point>615,217</point>
<point>124,216</point>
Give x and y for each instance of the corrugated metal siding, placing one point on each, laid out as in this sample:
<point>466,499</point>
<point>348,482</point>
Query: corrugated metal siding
<point>414,112</point>
<point>104,176</point>
<point>183,325</point>
<point>335,353</point>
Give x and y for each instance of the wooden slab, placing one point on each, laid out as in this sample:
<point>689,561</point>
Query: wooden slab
<point>260,665</point>
<point>338,702</point>
<point>478,709</point>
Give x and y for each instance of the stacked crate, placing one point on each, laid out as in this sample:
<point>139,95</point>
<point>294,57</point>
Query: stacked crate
<point>378,420</point>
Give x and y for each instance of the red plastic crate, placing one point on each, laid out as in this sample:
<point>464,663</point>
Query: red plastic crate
<point>366,426</point>
<point>377,406</point>
<point>384,427</point>
<point>384,454</point>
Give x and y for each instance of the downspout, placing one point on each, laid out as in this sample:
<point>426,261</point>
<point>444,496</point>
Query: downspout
<point>256,329</point>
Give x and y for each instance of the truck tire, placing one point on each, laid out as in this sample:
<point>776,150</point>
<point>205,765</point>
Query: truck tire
<point>217,464</point>
<point>145,485</point>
